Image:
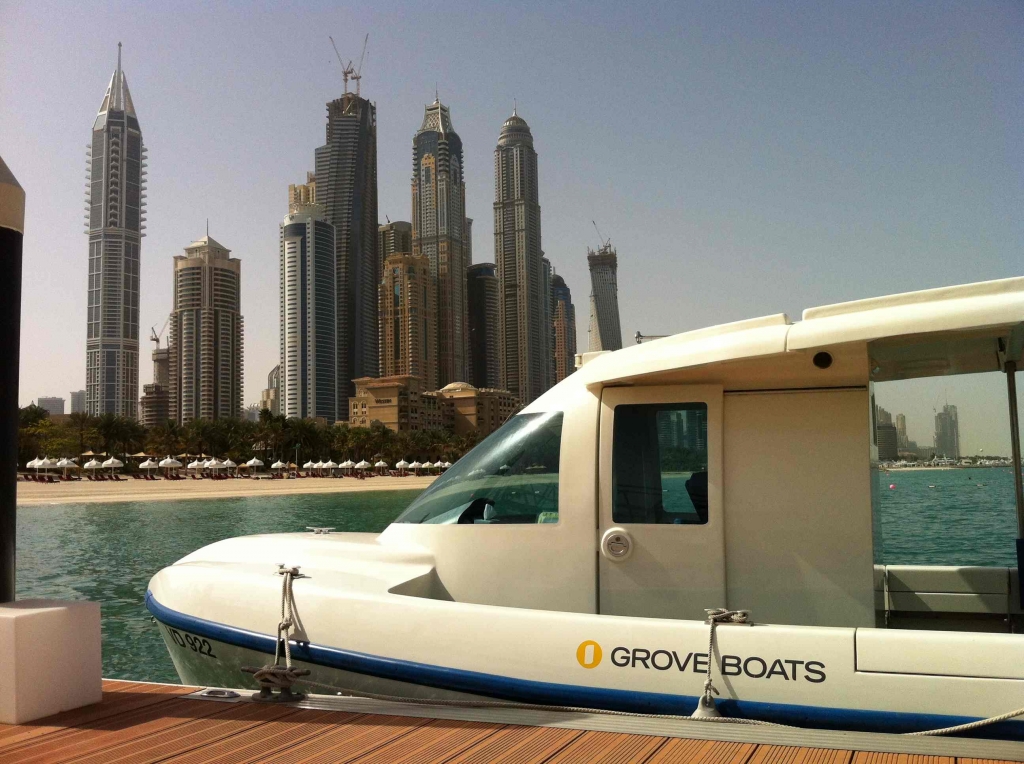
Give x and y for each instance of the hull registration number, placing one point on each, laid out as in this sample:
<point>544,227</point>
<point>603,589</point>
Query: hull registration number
<point>191,642</point>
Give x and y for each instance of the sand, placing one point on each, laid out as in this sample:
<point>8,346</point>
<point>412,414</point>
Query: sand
<point>87,492</point>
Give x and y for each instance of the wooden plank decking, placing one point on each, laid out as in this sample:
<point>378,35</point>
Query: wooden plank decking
<point>138,722</point>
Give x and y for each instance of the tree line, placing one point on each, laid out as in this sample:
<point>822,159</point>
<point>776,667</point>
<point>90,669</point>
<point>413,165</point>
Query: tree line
<point>272,438</point>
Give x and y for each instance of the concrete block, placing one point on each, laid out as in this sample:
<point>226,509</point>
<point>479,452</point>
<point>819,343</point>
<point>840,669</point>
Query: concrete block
<point>51,658</point>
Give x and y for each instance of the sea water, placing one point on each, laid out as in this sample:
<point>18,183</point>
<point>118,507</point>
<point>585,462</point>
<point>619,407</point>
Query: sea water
<point>108,552</point>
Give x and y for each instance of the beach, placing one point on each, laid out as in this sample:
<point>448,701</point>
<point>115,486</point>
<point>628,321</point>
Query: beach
<point>88,492</point>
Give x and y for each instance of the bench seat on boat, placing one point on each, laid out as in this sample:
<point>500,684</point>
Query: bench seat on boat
<point>949,597</point>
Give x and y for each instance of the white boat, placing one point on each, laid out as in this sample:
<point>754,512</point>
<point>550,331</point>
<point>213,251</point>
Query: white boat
<point>570,557</point>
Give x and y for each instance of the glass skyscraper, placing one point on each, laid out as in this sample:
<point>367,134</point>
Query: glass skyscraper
<point>438,233</point>
<point>308,381</point>
<point>346,189</point>
<point>115,215</point>
<point>523,279</point>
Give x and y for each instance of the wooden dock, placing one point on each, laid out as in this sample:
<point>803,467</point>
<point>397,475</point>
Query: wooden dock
<point>141,722</point>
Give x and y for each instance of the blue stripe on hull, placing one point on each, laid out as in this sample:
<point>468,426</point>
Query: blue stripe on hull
<point>549,693</point>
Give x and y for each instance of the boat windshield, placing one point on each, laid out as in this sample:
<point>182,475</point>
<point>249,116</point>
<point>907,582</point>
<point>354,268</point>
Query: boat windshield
<point>511,477</point>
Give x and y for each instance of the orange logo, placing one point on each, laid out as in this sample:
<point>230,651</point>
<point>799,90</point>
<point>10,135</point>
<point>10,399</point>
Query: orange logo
<point>588,654</point>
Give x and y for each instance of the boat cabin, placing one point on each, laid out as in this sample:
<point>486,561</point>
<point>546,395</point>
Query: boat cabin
<point>733,466</point>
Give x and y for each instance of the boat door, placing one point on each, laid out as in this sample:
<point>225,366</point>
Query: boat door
<point>661,530</point>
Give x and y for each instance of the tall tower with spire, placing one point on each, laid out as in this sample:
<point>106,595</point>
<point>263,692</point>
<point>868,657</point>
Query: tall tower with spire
<point>346,190</point>
<point>439,233</point>
<point>115,217</point>
<point>522,277</point>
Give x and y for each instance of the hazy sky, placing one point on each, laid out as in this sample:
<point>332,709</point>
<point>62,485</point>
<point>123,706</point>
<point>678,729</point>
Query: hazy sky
<point>744,158</point>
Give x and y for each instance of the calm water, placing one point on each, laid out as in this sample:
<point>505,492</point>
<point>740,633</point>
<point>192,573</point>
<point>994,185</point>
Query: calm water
<point>108,552</point>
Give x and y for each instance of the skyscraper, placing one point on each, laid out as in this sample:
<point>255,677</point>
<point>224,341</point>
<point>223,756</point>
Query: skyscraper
<point>115,215</point>
<point>408,319</point>
<point>482,298</point>
<point>524,347</point>
<point>902,441</point>
<point>394,236</point>
<point>155,405</point>
<point>346,187</point>
<point>605,332</point>
<point>308,370</point>
<point>78,402</point>
<point>52,405</point>
<point>469,242</point>
<point>547,273</point>
<point>206,334</point>
<point>438,231</point>
<point>947,433</point>
<point>270,398</point>
<point>564,323</point>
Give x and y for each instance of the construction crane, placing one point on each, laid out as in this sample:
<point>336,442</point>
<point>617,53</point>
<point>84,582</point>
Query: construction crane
<point>155,336</point>
<point>347,71</point>
<point>600,238</point>
<point>359,70</point>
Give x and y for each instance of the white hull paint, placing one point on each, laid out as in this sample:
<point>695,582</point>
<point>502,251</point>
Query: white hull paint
<point>568,559</point>
<point>356,634</point>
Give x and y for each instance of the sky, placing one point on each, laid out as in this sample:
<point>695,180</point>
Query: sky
<point>744,158</point>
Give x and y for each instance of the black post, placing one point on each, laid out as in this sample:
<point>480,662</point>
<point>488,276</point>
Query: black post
<point>12,227</point>
<point>1018,488</point>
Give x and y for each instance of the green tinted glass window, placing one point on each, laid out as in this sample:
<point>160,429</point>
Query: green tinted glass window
<point>511,477</point>
<point>660,464</point>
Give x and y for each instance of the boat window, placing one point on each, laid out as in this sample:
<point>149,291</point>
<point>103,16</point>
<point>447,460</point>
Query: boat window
<point>660,464</point>
<point>511,477</point>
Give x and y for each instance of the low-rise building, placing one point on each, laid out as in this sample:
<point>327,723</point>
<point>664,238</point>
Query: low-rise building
<point>470,409</point>
<point>395,402</point>
<point>402,404</point>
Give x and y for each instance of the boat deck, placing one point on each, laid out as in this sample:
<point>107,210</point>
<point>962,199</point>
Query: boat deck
<point>142,722</point>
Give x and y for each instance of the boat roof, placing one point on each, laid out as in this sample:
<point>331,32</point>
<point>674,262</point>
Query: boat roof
<point>956,329</point>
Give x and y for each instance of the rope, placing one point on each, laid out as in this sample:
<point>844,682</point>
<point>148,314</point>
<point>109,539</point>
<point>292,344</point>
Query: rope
<point>969,726</point>
<point>277,676</point>
<point>287,622</point>
<point>716,616</point>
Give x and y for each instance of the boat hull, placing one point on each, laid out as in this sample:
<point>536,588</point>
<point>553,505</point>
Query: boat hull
<point>211,654</point>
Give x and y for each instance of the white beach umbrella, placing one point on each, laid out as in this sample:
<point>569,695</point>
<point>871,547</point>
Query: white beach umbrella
<point>318,466</point>
<point>402,464</point>
<point>228,464</point>
<point>254,462</point>
<point>347,464</point>
<point>215,464</point>
<point>113,462</point>
<point>46,463</point>
<point>33,464</point>
<point>329,465</point>
<point>309,465</point>
<point>92,464</point>
<point>438,464</point>
<point>381,463</point>
<point>415,466</point>
<point>362,464</point>
<point>171,463</point>
<point>194,465</point>
<point>278,466</point>
<point>446,465</point>
<point>149,464</point>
